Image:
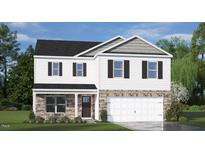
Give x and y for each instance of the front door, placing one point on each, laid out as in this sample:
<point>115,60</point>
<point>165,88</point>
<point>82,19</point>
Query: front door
<point>86,106</point>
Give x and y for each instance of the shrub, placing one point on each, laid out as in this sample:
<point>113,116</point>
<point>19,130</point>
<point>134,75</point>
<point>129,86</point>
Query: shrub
<point>175,111</point>
<point>202,107</point>
<point>78,120</point>
<point>169,115</point>
<point>103,115</point>
<point>194,108</point>
<point>84,121</point>
<point>11,109</point>
<point>64,120</point>
<point>5,103</point>
<point>31,116</point>
<point>26,107</point>
<point>52,119</point>
<point>183,119</point>
<point>186,107</point>
<point>1,107</point>
<point>39,120</point>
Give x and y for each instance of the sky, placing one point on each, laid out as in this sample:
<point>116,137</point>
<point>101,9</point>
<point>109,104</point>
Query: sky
<point>28,32</point>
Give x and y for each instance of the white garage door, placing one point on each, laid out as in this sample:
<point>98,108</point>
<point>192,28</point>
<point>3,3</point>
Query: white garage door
<point>127,109</point>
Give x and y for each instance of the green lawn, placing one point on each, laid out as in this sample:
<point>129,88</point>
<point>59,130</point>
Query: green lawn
<point>195,118</point>
<point>14,120</point>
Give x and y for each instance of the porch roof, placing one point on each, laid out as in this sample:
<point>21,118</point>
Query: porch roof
<point>64,86</point>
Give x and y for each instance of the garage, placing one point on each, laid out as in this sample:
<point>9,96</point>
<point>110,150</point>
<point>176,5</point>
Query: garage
<point>130,109</point>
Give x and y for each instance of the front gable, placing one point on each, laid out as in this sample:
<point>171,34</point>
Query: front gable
<point>136,45</point>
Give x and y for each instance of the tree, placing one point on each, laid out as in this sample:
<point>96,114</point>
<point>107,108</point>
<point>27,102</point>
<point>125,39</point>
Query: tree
<point>179,93</point>
<point>185,71</point>
<point>175,46</point>
<point>198,41</point>
<point>179,96</point>
<point>9,48</point>
<point>20,80</point>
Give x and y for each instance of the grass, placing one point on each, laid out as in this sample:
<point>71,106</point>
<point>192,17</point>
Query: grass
<point>195,118</point>
<point>14,121</point>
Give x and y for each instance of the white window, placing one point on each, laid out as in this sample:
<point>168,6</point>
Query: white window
<point>118,69</point>
<point>55,104</point>
<point>79,69</point>
<point>56,69</point>
<point>152,70</point>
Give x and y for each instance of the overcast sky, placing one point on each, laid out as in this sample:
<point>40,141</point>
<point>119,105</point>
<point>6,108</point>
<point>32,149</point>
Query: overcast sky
<point>28,33</point>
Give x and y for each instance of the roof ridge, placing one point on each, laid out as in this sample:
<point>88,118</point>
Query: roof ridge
<point>69,41</point>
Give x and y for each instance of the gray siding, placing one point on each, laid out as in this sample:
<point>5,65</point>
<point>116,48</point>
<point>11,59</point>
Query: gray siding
<point>135,46</point>
<point>101,48</point>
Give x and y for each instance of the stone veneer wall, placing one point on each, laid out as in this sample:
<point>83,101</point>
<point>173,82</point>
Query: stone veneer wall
<point>104,94</point>
<point>70,108</point>
<point>41,107</point>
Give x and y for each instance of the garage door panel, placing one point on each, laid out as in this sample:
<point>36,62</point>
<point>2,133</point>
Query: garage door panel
<point>125,109</point>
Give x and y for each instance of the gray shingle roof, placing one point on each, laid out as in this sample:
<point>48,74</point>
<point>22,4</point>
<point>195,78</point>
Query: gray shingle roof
<point>62,48</point>
<point>64,86</point>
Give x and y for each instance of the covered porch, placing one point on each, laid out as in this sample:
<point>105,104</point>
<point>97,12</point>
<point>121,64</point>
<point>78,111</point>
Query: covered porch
<point>60,102</point>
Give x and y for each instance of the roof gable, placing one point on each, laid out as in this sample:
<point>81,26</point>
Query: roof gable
<point>62,48</point>
<point>136,45</point>
<point>100,47</point>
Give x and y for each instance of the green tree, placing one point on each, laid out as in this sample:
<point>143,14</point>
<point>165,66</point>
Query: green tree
<point>20,80</point>
<point>198,41</point>
<point>9,48</point>
<point>175,46</point>
<point>185,71</point>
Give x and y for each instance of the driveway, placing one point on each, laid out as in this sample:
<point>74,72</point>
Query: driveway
<point>159,126</point>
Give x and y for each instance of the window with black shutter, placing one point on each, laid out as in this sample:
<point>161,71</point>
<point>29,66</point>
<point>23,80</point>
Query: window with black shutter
<point>126,69</point>
<point>144,69</point>
<point>160,70</point>
<point>110,68</point>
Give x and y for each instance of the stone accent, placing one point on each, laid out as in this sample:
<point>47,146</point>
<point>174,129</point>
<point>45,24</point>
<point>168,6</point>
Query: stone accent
<point>104,94</point>
<point>41,107</point>
<point>70,106</point>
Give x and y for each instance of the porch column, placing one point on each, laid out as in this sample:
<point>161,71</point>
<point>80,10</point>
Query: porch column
<point>76,105</point>
<point>97,107</point>
<point>34,102</point>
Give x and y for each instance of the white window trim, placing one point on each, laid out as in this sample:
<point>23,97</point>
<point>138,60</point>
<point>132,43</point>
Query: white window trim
<point>79,69</point>
<point>152,69</point>
<point>118,69</point>
<point>58,68</point>
<point>55,103</point>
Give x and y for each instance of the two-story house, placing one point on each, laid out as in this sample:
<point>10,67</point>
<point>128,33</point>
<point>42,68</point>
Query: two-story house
<point>129,78</point>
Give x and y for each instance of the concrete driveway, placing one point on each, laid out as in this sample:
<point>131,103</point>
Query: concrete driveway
<point>159,126</point>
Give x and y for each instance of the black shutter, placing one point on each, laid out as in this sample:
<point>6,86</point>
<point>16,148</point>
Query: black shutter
<point>110,68</point>
<point>84,69</point>
<point>74,69</point>
<point>160,70</point>
<point>144,69</point>
<point>126,69</point>
<point>60,69</point>
<point>49,68</point>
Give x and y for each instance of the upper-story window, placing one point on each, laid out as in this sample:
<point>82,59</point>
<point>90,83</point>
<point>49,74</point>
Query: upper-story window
<point>152,70</point>
<point>55,68</point>
<point>118,68</point>
<point>79,69</point>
